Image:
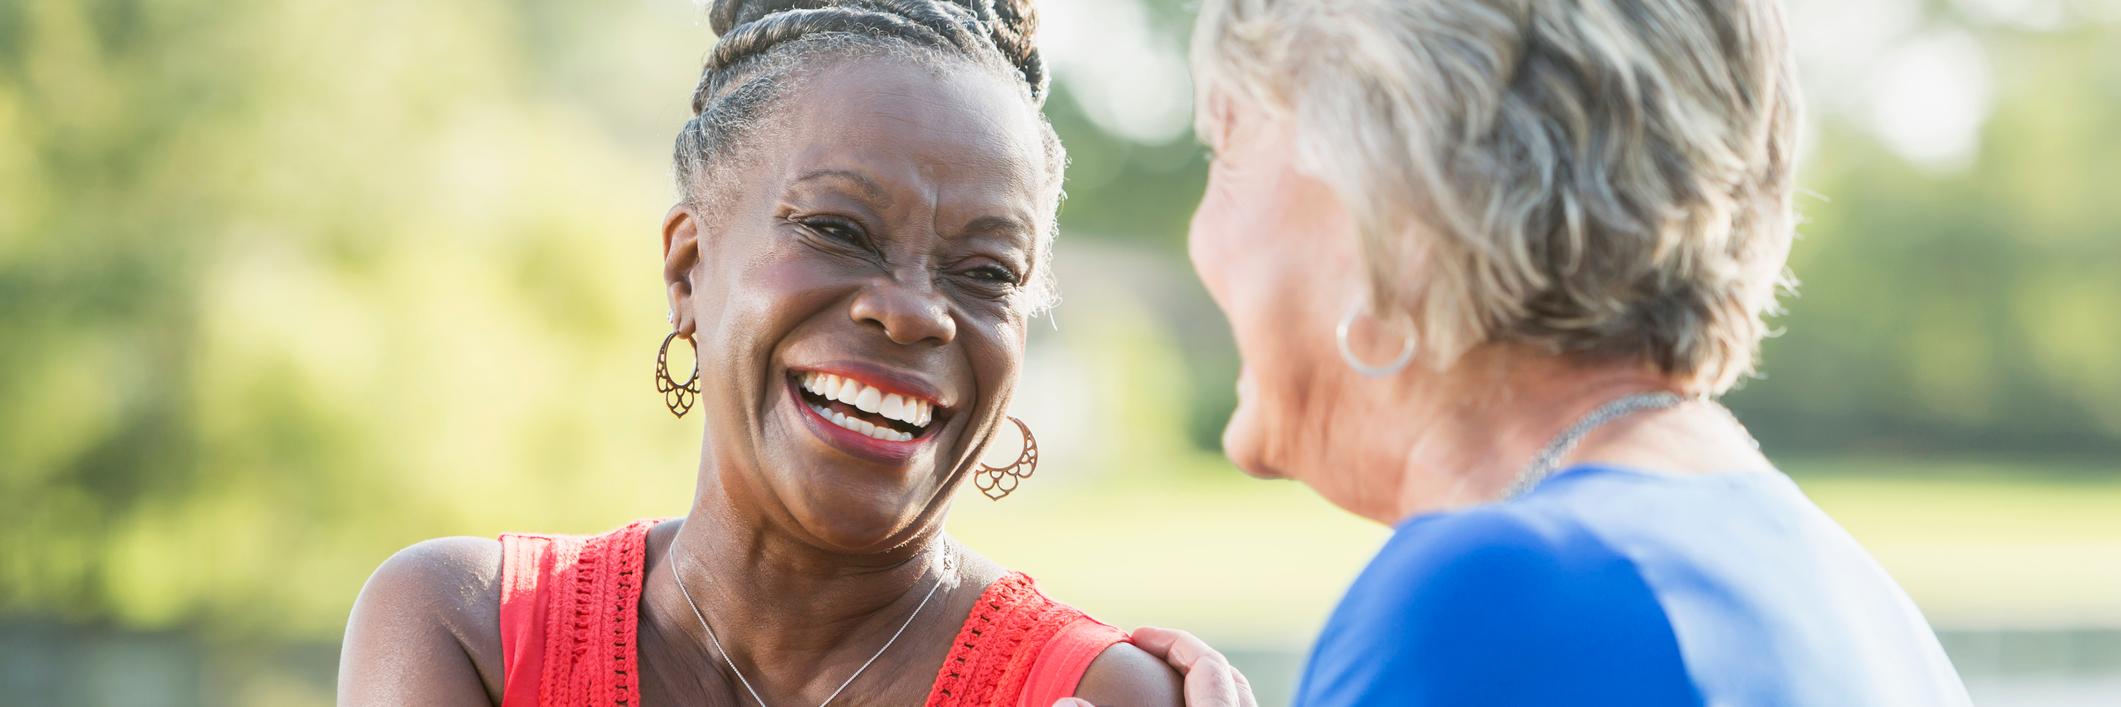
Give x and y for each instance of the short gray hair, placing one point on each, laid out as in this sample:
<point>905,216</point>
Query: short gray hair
<point>1602,178</point>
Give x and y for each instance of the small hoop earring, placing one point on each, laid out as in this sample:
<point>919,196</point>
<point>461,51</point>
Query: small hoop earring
<point>999,481</point>
<point>676,396</point>
<point>1368,370</point>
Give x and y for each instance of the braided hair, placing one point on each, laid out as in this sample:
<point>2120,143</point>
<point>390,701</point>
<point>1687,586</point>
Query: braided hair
<point>765,43</point>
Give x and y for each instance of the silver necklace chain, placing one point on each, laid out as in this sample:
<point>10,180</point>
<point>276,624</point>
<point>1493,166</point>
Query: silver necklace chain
<point>679,575</point>
<point>1545,464</point>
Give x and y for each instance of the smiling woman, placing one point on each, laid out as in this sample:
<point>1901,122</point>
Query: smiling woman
<point>868,196</point>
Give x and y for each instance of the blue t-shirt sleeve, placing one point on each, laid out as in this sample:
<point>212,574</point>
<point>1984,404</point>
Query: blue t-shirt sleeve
<point>1483,607</point>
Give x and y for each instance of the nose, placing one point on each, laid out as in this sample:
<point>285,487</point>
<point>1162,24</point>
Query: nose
<point>908,314</point>
<point>1209,256</point>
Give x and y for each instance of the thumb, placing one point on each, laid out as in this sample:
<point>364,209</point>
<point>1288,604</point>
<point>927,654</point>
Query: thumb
<point>1073,702</point>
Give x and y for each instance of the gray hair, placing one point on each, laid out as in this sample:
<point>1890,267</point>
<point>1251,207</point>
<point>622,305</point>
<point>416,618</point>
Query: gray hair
<point>1600,178</point>
<point>767,46</point>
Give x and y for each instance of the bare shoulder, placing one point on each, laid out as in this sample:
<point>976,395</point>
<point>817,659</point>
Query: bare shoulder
<point>1127,675</point>
<point>441,573</point>
<point>426,628</point>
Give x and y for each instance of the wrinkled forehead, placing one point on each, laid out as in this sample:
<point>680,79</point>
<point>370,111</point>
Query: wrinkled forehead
<point>946,128</point>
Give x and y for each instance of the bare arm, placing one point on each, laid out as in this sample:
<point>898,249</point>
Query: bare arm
<point>1127,675</point>
<point>1209,680</point>
<point>426,629</point>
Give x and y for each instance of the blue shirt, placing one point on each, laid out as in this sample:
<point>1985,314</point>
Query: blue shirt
<point>1610,586</point>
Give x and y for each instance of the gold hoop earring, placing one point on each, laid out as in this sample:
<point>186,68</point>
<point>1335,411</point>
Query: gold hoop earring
<point>999,481</point>
<point>676,396</point>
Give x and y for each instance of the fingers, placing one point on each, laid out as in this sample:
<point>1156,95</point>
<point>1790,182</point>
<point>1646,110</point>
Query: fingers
<point>1209,684</point>
<point>1210,679</point>
<point>1181,649</point>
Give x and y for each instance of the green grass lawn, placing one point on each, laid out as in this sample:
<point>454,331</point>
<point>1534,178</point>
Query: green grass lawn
<point>1985,544</point>
<point>1246,561</point>
<point>1260,563</point>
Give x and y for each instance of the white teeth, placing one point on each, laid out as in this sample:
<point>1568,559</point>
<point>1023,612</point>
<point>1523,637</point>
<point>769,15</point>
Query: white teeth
<point>863,426</point>
<point>896,406</point>
<point>912,411</point>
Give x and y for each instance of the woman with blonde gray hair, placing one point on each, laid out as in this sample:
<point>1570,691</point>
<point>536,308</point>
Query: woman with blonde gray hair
<point>1489,264</point>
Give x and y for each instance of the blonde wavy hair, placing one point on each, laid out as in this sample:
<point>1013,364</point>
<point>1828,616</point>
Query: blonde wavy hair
<point>1601,178</point>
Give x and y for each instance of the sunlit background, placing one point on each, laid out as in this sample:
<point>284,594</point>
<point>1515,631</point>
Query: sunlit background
<point>285,286</point>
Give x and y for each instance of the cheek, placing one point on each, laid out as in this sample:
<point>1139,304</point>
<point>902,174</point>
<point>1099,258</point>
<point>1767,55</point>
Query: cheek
<point>1280,349</point>
<point>1240,249</point>
<point>751,309</point>
<point>757,301</point>
<point>1276,258</point>
<point>995,353</point>
<point>1205,239</point>
<point>1233,245</point>
<point>1254,248</point>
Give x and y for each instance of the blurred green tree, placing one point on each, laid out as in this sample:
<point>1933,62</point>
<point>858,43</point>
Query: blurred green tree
<point>286,286</point>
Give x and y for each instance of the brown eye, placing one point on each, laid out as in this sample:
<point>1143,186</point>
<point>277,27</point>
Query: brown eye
<point>836,229</point>
<point>994,274</point>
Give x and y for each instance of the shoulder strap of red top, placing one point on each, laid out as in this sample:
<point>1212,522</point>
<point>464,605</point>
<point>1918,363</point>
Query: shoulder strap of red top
<point>1019,647</point>
<point>569,617</point>
<point>1061,664</point>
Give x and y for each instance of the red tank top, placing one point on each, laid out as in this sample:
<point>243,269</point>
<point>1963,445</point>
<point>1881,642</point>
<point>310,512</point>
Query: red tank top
<point>570,612</point>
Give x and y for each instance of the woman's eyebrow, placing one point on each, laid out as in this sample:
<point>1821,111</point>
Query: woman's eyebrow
<point>867,186</point>
<point>998,226</point>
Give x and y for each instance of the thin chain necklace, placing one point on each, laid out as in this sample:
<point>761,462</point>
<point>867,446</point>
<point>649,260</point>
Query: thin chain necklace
<point>678,574</point>
<point>1544,465</point>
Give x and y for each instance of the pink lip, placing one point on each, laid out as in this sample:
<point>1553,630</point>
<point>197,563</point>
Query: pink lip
<point>856,444</point>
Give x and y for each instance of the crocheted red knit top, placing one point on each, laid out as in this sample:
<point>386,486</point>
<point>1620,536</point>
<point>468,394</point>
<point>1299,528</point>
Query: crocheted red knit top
<point>570,612</point>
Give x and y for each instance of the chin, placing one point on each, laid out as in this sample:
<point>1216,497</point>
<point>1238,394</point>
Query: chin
<point>851,487</point>
<point>1250,462</point>
<point>1242,445</point>
<point>856,526</point>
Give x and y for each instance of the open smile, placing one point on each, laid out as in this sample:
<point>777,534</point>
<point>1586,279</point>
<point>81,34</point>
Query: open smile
<point>872,417</point>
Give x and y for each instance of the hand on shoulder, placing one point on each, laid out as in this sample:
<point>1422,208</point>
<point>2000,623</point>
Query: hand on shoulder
<point>1162,667</point>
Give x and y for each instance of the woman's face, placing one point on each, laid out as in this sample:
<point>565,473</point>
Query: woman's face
<point>1278,252</point>
<point>858,295</point>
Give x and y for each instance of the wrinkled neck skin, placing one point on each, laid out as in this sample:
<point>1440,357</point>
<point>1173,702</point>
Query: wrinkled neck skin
<point>799,619</point>
<point>1464,436</point>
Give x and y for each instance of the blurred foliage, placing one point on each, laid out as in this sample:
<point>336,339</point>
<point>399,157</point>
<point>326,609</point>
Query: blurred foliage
<point>286,282</point>
<point>1976,310</point>
<point>287,286</point>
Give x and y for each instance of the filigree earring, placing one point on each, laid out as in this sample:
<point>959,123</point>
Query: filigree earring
<point>679,397</point>
<point>999,481</point>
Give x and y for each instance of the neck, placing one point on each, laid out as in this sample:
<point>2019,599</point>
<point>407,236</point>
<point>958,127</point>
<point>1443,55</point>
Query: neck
<point>796,619</point>
<point>1479,427</point>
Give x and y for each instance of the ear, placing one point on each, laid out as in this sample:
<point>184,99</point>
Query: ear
<point>681,253</point>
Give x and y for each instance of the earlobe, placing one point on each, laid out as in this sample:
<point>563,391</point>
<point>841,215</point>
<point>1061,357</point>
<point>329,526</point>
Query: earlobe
<point>681,253</point>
